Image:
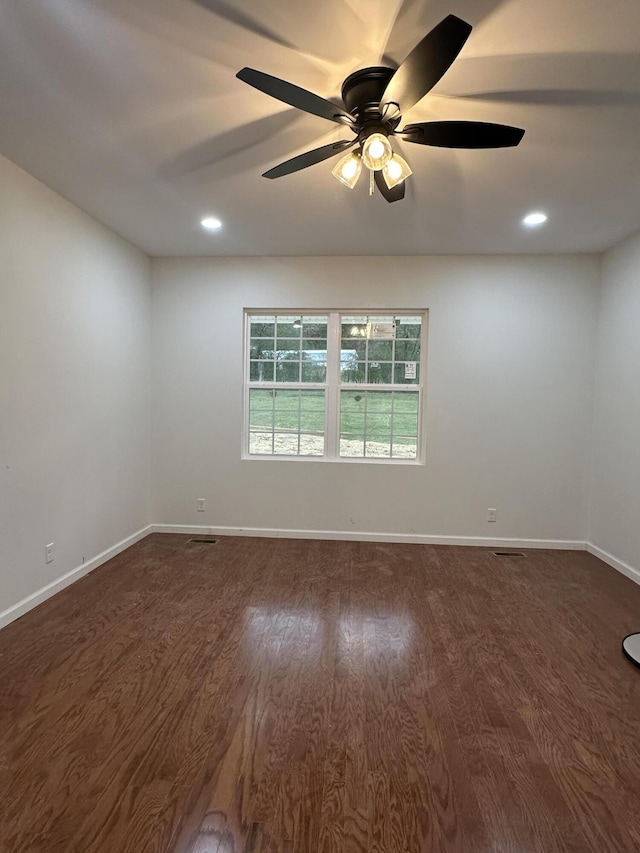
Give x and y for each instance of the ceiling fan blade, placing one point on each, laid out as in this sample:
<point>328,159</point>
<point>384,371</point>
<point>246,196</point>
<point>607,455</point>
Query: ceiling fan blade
<point>294,96</point>
<point>462,134</point>
<point>427,62</point>
<point>395,194</point>
<point>309,158</point>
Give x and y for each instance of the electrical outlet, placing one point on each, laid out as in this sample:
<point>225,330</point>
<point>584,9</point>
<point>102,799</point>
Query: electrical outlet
<point>48,553</point>
<point>201,504</point>
<point>492,514</point>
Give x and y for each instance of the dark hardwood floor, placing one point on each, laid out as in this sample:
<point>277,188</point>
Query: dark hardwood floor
<point>311,697</point>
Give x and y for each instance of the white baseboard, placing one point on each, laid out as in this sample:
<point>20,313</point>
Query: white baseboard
<point>361,536</point>
<point>31,601</point>
<point>614,562</point>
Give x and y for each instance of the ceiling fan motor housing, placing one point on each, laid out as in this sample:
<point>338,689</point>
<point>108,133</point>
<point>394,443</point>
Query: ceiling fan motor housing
<point>362,92</point>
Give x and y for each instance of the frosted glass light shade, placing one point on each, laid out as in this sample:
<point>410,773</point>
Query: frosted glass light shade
<point>376,152</point>
<point>347,169</point>
<point>396,171</point>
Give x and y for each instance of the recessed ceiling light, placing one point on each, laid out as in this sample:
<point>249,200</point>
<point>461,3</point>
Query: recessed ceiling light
<point>533,219</point>
<point>211,223</point>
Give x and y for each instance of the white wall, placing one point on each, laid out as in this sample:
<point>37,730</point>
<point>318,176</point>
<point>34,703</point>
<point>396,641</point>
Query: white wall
<point>615,498</point>
<point>508,403</point>
<point>74,387</point>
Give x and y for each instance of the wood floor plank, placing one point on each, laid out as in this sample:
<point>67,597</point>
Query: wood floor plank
<point>291,696</point>
<point>499,733</point>
<point>90,737</point>
<point>561,689</point>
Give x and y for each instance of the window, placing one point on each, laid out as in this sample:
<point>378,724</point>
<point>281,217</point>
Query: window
<point>334,385</point>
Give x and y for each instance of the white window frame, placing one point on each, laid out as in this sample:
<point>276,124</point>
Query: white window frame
<point>332,386</point>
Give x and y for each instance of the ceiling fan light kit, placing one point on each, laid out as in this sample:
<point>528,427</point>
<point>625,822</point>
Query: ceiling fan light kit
<point>396,171</point>
<point>348,168</point>
<point>376,151</point>
<point>375,100</point>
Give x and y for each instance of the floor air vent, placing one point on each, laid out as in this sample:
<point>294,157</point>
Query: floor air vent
<point>508,554</point>
<point>202,540</point>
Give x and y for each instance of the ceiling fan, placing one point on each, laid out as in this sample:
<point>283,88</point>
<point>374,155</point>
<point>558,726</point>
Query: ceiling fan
<point>375,100</point>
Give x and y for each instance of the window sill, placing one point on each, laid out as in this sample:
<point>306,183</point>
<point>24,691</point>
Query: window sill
<point>340,460</point>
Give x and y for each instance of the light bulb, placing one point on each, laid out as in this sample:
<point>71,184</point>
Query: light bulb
<point>376,152</point>
<point>396,171</point>
<point>376,149</point>
<point>347,169</point>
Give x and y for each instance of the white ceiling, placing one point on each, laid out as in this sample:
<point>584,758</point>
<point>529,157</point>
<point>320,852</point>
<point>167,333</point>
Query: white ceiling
<point>131,109</point>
